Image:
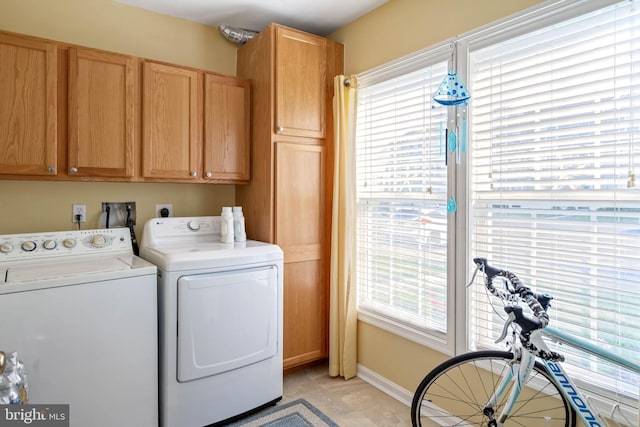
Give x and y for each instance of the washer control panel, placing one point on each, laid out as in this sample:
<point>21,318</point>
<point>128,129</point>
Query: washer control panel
<point>15,247</point>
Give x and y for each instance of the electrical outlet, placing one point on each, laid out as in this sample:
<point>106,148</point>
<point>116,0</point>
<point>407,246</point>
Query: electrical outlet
<point>79,210</point>
<point>160,207</point>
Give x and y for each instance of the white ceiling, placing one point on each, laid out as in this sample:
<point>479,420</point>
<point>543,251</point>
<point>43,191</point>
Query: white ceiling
<point>320,17</point>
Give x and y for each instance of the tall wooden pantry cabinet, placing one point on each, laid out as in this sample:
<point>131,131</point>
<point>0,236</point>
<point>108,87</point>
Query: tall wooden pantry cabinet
<point>288,200</point>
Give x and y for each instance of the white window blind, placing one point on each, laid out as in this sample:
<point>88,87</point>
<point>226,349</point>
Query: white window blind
<point>401,198</point>
<point>556,142</point>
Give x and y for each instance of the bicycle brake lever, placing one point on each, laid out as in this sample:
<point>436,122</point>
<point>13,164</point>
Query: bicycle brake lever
<point>474,276</point>
<point>505,329</point>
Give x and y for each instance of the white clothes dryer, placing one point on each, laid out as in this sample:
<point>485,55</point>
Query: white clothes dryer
<point>80,310</point>
<point>220,321</point>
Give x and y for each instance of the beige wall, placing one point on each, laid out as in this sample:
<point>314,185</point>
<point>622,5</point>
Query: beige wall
<point>46,206</point>
<point>104,24</point>
<point>394,30</point>
<point>400,27</point>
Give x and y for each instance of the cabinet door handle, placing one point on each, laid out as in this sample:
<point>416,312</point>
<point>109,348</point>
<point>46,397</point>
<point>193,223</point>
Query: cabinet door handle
<point>280,128</point>
<point>74,170</point>
<point>209,174</point>
<point>51,169</point>
<point>194,174</point>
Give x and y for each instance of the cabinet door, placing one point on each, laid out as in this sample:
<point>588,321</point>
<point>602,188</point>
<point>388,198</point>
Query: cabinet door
<point>226,128</point>
<point>172,130</point>
<point>305,313</point>
<point>300,84</point>
<point>299,229</point>
<point>300,200</point>
<point>102,116</point>
<point>28,106</point>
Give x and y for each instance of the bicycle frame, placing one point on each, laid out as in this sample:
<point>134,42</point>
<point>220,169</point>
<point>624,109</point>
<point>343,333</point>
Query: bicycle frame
<point>573,395</point>
<point>520,372</point>
<point>589,348</point>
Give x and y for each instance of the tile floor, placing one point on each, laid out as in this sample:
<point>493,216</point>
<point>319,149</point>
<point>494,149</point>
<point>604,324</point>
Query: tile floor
<point>352,403</point>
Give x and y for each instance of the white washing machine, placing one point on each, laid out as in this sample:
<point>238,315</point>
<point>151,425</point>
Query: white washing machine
<point>80,310</point>
<point>220,327</point>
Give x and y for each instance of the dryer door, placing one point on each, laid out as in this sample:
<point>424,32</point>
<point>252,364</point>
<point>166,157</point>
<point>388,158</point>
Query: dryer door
<point>226,320</point>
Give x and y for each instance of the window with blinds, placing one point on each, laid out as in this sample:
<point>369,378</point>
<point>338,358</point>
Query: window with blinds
<point>401,201</point>
<point>555,128</point>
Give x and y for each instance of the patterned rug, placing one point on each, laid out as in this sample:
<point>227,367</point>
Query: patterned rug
<point>298,413</point>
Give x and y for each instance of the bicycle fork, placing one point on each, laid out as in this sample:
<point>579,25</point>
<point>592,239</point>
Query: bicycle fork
<point>516,376</point>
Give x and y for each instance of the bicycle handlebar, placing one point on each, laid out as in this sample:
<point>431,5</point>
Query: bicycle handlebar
<point>538,303</point>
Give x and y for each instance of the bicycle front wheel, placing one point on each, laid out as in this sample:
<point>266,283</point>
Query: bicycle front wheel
<point>456,393</point>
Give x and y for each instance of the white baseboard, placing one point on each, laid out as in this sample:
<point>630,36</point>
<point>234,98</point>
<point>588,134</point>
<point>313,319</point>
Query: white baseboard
<point>381,383</point>
<point>400,394</point>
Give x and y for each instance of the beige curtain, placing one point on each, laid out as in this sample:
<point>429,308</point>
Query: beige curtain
<point>342,313</point>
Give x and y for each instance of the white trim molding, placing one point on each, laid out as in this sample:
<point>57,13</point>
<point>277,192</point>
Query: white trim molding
<point>386,386</point>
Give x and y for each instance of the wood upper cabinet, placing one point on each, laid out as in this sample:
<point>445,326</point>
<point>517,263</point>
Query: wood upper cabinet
<point>300,76</point>
<point>102,113</point>
<point>69,112</point>
<point>178,104</point>
<point>28,106</point>
<point>172,122</point>
<point>226,128</point>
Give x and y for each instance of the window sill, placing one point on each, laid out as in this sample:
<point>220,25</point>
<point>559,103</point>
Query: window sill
<point>433,340</point>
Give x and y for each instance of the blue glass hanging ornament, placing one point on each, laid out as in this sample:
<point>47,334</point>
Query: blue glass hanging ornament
<point>452,206</point>
<point>452,141</point>
<point>452,91</point>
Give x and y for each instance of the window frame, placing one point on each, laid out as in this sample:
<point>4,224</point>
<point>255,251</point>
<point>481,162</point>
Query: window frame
<point>443,342</point>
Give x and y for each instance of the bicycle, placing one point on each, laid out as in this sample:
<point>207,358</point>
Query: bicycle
<point>523,386</point>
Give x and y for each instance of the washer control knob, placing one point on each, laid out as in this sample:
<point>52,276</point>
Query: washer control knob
<point>6,247</point>
<point>49,244</point>
<point>69,243</point>
<point>98,241</point>
<point>193,226</point>
<point>28,246</point>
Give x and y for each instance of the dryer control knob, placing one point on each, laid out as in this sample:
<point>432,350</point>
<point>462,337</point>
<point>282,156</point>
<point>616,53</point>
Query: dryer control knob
<point>193,226</point>
<point>98,241</point>
<point>49,244</point>
<point>5,248</point>
<point>28,246</point>
<point>69,243</point>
